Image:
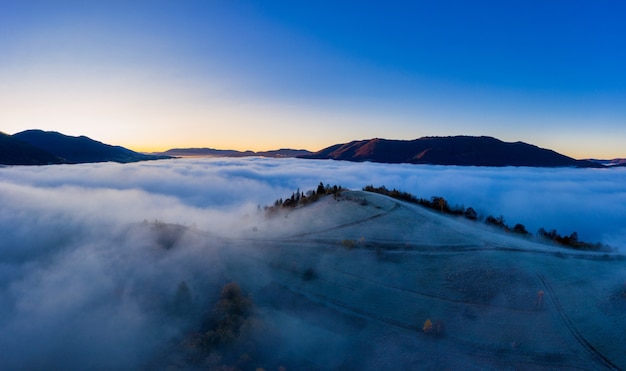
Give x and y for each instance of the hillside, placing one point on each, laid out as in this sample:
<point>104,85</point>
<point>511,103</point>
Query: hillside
<point>457,150</point>
<point>363,281</point>
<point>74,150</point>
<point>16,152</point>
<point>353,272</point>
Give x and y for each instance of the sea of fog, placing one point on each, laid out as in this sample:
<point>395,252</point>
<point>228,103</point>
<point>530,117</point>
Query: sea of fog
<point>78,287</point>
<point>206,192</point>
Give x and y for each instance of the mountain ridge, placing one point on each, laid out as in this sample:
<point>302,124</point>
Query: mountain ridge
<point>75,150</point>
<point>38,147</point>
<point>451,150</point>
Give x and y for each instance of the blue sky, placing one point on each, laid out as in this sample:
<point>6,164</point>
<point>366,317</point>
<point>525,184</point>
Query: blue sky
<point>153,75</point>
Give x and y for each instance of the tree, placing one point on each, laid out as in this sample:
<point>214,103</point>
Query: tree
<point>542,232</point>
<point>230,314</point>
<point>519,228</point>
<point>471,214</point>
<point>440,203</point>
<point>320,189</point>
<point>183,304</point>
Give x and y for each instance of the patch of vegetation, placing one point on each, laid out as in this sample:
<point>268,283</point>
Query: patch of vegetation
<point>570,241</point>
<point>434,328</point>
<point>348,244</point>
<point>230,314</point>
<point>435,203</point>
<point>309,274</point>
<point>500,223</point>
<point>229,338</point>
<point>166,235</point>
<point>299,198</point>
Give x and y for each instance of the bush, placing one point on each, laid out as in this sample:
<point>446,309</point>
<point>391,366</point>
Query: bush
<point>348,244</point>
<point>498,222</point>
<point>309,274</point>
<point>470,214</point>
<point>519,228</point>
<point>570,241</point>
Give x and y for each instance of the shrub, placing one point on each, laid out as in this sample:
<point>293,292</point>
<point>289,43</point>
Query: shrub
<point>470,214</point>
<point>309,274</point>
<point>519,228</point>
<point>348,243</point>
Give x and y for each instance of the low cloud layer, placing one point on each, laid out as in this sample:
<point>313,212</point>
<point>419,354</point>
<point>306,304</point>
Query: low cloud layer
<point>589,201</point>
<point>82,286</point>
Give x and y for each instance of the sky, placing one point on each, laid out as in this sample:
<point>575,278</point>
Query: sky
<point>260,75</point>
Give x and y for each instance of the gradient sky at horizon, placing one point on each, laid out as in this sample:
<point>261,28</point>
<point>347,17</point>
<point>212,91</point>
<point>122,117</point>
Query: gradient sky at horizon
<point>153,75</point>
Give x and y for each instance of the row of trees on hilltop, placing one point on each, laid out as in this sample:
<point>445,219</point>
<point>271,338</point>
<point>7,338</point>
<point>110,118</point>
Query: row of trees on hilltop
<point>435,203</point>
<point>571,240</point>
<point>440,204</point>
<point>499,222</point>
<point>299,198</point>
<point>552,235</point>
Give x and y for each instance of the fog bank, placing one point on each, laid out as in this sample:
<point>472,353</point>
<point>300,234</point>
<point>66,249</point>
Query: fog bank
<point>82,285</point>
<point>589,201</point>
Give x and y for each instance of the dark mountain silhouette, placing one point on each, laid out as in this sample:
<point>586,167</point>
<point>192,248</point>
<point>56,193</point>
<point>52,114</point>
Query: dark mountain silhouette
<point>16,152</point>
<point>75,150</point>
<point>211,152</point>
<point>457,150</point>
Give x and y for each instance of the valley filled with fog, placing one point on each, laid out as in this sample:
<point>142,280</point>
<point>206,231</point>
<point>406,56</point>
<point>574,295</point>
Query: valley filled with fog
<point>111,266</point>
